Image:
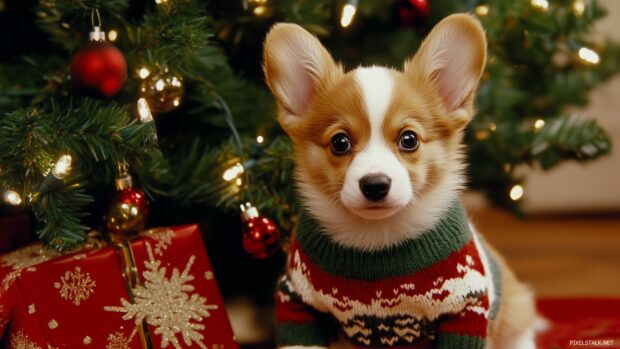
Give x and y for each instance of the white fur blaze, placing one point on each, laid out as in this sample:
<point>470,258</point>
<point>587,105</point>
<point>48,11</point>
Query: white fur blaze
<point>377,86</point>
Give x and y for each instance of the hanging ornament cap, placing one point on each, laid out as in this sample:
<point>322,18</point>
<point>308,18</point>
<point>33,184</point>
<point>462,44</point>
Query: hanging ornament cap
<point>123,181</point>
<point>248,212</point>
<point>96,35</point>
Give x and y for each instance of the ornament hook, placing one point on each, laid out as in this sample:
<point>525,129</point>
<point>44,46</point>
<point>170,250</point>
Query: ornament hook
<point>122,167</point>
<point>94,12</point>
<point>97,34</point>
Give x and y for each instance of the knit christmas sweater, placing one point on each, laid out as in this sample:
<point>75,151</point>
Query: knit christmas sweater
<point>438,290</point>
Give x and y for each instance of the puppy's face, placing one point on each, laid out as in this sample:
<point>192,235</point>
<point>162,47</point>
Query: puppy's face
<point>373,144</point>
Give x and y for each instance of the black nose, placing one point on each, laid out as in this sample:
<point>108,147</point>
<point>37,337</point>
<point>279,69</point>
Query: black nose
<point>375,186</point>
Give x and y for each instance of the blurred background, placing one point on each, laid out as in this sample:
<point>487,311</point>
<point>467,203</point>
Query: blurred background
<point>591,187</point>
<point>191,121</point>
<point>568,244</point>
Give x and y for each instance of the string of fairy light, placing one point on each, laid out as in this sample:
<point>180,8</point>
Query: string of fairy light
<point>262,8</point>
<point>57,172</point>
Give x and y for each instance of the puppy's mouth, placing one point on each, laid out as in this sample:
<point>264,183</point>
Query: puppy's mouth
<point>375,210</point>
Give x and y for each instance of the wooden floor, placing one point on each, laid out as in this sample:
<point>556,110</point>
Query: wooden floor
<point>559,256</point>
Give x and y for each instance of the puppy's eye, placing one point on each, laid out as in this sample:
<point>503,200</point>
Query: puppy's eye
<point>408,141</point>
<point>340,144</point>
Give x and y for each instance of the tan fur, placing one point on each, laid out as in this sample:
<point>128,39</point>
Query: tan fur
<point>517,312</point>
<point>323,76</point>
<point>341,111</point>
<point>425,99</point>
<point>431,60</point>
<point>416,106</point>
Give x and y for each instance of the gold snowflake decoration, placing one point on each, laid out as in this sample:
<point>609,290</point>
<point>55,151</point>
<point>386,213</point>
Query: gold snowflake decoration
<point>19,340</point>
<point>24,259</point>
<point>163,237</point>
<point>75,286</point>
<point>27,256</point>
<point>167,304</point>
<point>118,340</point>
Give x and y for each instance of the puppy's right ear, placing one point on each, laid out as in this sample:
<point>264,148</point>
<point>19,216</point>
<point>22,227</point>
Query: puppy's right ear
<point>296,67</point>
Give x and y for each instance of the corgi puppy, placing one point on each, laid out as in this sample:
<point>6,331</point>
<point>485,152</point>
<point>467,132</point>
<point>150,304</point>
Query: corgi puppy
<point>384,250</point>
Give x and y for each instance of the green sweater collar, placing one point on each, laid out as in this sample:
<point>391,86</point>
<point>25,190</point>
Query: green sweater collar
<point>448,235</point>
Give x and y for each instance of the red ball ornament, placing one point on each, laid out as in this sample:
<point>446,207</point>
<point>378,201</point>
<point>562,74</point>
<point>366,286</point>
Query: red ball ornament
<point>99,68</point>
<point>421,6</point>
<point>261,237</point>
<point>412,12</point>
<point>128,208</point>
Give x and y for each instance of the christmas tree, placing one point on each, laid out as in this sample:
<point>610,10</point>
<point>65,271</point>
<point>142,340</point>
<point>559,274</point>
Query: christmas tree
<point>175,96</point>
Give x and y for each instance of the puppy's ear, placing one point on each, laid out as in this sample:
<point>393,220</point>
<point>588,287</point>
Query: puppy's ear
<point>297,67</point>
<point>452,59</point>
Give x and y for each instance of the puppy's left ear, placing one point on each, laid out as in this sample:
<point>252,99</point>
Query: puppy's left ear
<point>452,59</point>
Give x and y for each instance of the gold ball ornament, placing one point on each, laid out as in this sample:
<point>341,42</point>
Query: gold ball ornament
<point>128,208</point>
<point>162,89</point>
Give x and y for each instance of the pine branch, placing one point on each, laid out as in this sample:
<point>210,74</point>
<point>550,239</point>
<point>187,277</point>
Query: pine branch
<point>201,181</point>
<point>569,137</point>
<point>97,136</point>
<point>60,213</point>
<point>169,35</point>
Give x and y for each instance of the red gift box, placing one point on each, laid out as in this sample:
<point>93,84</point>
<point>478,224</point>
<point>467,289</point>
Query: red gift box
<point>580,323</point>
<point>155,291</point>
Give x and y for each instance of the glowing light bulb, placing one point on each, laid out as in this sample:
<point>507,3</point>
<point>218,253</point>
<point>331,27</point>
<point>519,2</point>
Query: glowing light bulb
<point>540,4</point>
<point>259,10</point>
<point>112,35</point>
<point>539,124</point>
<point>144,111</point>
<point>588,55</point>
<point>144,73</point>
<point>516,192</point>
<point>233,172</point>
<point>63,167</point>
<point>11,197</point>
<point>579,6</point>
<point>260,139</point>
<point>348,12</point>
<point>482,10</point>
